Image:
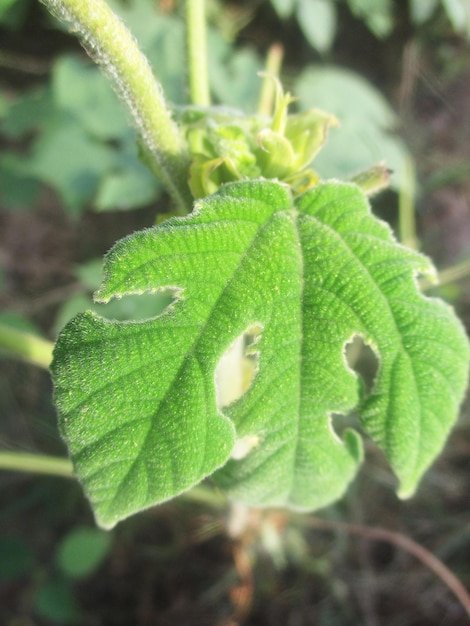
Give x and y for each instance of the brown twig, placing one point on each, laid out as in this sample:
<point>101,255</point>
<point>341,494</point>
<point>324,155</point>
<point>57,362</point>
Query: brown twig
<point>405,543</point>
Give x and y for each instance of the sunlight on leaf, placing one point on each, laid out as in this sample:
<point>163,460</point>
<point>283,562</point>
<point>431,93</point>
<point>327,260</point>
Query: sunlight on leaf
<point>137,400</point>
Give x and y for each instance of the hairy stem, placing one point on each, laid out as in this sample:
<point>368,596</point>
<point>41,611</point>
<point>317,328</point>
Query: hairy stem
<point>196,41</point>
<point>26,346</point>
<point>35,463</point>
<point>112,46</point>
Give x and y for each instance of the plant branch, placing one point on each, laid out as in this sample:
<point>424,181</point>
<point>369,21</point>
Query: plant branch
<point>111,45</point>
<point>36,463</point>
<point>26,346</point>
<point>196,41</point>
<point>405,543</point>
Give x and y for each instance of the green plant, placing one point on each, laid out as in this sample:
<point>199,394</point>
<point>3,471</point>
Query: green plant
<point>318,18</point>
<point>271,277</point>
<point>78,555</point>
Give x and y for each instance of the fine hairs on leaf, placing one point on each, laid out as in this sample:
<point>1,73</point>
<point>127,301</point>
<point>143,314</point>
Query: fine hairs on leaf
<point>137,400</point>
<point>275,273</point>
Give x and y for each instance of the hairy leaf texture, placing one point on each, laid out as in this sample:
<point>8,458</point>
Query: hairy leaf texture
<point>137,400</point>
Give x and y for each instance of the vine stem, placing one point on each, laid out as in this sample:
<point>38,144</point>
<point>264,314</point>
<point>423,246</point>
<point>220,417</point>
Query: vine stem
<point>26,346</point>
<point>36,463</point>
<point>405,543</point>
<point>62,467</point>
<point>196,42</point>
<point>111,45</point>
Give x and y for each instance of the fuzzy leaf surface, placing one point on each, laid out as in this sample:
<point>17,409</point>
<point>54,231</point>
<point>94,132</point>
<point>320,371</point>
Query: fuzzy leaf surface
<point>137,400</point>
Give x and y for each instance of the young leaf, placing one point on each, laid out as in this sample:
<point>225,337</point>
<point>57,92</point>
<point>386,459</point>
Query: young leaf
<point>137,400</point>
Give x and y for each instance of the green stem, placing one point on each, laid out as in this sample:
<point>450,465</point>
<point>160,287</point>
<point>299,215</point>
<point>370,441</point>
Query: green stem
<point>57,466</point>
<point>406,208</point>
<point>112,46</point>
<point>36,463</point>
<point>449,275</point>
<point>268,88</point>
<point>196,41</point>
<point>203,494</point>
<point>26,346</point>
<point>456,272</point>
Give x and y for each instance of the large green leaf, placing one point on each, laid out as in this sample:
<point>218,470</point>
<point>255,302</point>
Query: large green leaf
<point>137,400</point>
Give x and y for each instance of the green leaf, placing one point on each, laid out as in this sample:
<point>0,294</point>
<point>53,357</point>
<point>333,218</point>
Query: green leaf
<point>130,186</point>
<point>5,5</point>
<point>28,113</point>
<point>13,13</point>
<point>377,14</point>
<point>234,74</point>
<point>421,11</point>
<point>137,401</point>
<point>458,12</point>
<point>284,8</point>
<point>71,162</point>
<point>317,19</point>
<point>82,551</point>
<point>84,93</point>
<point>18,190</point>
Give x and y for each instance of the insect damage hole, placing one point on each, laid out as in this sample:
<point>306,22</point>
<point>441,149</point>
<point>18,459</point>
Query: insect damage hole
<point>362,359</point>
<point>139,306</point>
<point>233,377</point>
<point>237,368</point>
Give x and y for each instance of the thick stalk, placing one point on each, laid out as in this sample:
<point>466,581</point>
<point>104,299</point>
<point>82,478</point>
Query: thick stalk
<point>26,346</point>
<point>196,42</point>
<point>112,46</point>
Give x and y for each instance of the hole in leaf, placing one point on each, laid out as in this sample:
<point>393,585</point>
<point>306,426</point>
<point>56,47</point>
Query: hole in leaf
<point>236,369</point>
<point>341,422</point>
<point>244,446</point>
<point>138,306</point>
<point>363,360</point>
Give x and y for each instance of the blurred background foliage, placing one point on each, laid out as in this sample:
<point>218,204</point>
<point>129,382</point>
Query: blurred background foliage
<point>396,75</point>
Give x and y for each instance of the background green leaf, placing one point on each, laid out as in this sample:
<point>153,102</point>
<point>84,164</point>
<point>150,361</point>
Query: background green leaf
<point>71,162</point>
<point>82,551</point>
<point>83,92</point>
<point>284,8</point>
<point>317,19</point>
<point>367,132</point>
<point>377,14</point>
<point>421,11</point>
